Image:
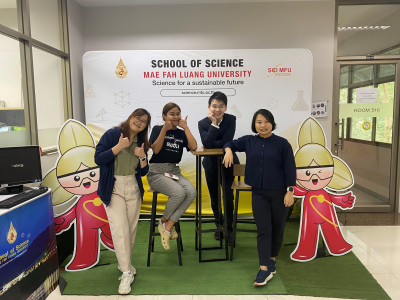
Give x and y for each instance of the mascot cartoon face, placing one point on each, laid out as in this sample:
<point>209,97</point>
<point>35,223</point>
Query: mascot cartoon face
<point>316,175</point>
<point>85,178</point>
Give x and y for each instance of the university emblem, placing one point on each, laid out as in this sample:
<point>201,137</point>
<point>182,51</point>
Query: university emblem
<point>121,71</point>
<point>12,234</point>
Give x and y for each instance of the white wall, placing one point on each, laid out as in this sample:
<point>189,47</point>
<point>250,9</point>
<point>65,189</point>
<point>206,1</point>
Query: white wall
<point>305,24</point>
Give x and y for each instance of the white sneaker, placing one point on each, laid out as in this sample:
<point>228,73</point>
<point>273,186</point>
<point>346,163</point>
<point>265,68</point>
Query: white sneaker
<point>126,281</point>
<point>132,270</point>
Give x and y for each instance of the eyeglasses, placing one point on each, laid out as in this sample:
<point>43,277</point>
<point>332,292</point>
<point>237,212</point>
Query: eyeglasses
<point>322,172</point>
<point>75,179</point>
<point>142,122</point>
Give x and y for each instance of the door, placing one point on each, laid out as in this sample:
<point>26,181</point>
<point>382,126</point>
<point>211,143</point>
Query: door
<point>366,110</point>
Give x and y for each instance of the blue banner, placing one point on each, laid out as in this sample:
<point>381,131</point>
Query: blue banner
<point>28,252</point>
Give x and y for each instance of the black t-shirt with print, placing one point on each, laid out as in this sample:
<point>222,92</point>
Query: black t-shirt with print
<point>172,149</point>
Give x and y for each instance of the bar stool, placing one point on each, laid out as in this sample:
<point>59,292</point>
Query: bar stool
<point>153,232</point>
<point>239,186</point>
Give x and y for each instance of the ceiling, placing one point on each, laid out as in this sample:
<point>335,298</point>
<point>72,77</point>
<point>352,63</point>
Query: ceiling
<point>94,3</point>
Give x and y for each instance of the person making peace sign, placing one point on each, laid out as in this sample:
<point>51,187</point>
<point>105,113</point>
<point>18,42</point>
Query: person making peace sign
<point>167,142</point>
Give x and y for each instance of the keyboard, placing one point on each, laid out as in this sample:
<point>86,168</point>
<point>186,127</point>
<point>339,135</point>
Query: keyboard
<point>22,197</point>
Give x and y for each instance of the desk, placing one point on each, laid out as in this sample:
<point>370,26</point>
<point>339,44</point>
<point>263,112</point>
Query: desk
<point>199,230</point>
<point>28,250</point>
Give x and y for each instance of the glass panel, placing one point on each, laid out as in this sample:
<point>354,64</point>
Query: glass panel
<point>12,118</point>
<point>362,73</point>
<point>344,77</point>
<point>360,128</point>
<point>8,14</point>
<point>370,121</point>
<point>394,51</point>
<point>384,124</point>
<point>343,99</point>
<point>343,96</point>
<point>367,29</point>
<point>386,70</point>
<point>45,24</point>
<point>49,96</point>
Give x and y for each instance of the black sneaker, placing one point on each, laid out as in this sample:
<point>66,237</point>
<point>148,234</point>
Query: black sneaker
<point>262,277</point>
<point>272,266</point>
<point>218,235</point>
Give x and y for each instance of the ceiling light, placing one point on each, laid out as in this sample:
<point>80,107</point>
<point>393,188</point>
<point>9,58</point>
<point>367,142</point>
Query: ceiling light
<point>349,28</point>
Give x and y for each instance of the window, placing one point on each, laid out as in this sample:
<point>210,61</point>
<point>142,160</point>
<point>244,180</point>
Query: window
<point>368,128</point>
<point>34,75</point>
<point>384,124</point>
<point>8,14</point>
<point>45,22</point>
<point>49,96</point>
<point>12,113</point>
<point>357,124</point>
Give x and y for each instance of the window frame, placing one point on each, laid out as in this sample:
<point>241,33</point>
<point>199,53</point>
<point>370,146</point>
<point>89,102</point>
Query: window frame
<point>23,35</point>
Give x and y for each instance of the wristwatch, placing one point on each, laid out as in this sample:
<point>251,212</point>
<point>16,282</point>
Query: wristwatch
<point>290,189</point>
<point>142,158</point>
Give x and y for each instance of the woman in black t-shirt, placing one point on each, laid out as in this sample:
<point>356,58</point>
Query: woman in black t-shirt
<point>167,143</point>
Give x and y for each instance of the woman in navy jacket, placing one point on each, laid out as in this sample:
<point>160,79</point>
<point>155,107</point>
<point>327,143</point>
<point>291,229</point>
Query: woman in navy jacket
<point>271,172</point>
<point>121,156</point>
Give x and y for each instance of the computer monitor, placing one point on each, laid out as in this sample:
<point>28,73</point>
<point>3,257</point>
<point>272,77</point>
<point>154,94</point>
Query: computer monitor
<point>18,166</point>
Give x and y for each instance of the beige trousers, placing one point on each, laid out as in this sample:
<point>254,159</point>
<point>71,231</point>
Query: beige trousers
<point>123,215</point>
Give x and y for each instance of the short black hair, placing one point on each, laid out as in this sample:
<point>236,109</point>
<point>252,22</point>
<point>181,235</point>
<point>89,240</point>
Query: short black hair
<point>267,114</point>
<point>218,96</point>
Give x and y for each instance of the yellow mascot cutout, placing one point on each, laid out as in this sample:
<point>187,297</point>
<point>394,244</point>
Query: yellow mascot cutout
<point>77,176</point>
<point>323,181</point>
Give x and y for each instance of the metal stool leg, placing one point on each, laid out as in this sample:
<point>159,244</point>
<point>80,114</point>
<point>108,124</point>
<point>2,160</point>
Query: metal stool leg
<point>179,242</point>
<point>178,230</point>
<point>235,212</point>
<point>152,227</point>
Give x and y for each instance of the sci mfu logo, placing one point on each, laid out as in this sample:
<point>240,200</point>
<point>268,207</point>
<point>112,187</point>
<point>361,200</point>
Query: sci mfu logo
<point>279,70</point>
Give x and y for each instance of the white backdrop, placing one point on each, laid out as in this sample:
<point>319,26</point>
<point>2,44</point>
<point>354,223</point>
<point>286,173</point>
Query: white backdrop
<point>276,79</point>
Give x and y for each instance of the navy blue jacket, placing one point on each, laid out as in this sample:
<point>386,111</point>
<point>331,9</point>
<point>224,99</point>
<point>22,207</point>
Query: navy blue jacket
<point>269,161</point>
<point>212,137</point>
<point>104,158</point>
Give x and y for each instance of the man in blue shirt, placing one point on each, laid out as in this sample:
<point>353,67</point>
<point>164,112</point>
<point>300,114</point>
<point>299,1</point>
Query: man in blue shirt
<point>215,130</point>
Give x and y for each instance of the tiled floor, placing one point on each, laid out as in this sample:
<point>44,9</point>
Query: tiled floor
<point>377,247</point>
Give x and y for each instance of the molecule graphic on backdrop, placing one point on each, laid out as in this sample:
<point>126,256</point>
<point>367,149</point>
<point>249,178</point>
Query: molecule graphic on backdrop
<point>100,114</point>
<point>122,98</point>
<point>89,93</point>
<point>272,103</point>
